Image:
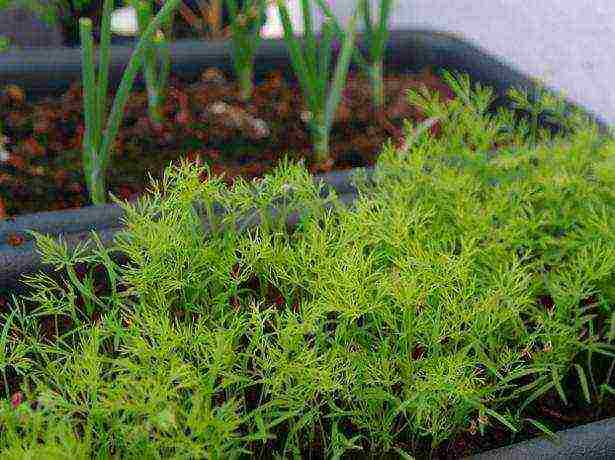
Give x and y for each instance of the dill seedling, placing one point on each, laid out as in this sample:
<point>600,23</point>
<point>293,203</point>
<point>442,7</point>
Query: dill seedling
<point>464,283</point>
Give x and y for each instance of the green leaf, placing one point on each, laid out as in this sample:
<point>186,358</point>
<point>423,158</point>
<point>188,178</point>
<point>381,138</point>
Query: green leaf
<point>557,381</point>
<point>382,32</point>
<point>90,148</point>
<point>536,394</point>
<point>542,428</point>
<point>339,30</point>
<point>341,71</point>
<point>583,381</point>
<point>297,58</point>
<point>500,418</point>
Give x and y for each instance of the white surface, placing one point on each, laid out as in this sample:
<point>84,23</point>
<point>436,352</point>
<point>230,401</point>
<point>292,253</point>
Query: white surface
<point>273,27</point>
<point>570,44</point>
<point>124,22</point>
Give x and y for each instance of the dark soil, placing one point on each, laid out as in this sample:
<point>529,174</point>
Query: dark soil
<point>206,121</point>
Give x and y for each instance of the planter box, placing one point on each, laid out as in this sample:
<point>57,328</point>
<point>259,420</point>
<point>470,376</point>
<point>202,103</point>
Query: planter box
<point>592,441</point>
<point>50,71</point>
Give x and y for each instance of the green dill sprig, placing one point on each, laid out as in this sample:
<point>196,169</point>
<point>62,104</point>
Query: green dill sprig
<point>465,282</point>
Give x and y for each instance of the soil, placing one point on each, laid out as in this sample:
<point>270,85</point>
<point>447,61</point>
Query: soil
<point>206,121</point>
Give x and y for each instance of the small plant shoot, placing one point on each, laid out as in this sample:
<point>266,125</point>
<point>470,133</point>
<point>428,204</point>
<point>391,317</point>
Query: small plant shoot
<point>376,34</point>
<point>461,289</point>
<point>156,60</point>
<point>311,59</point>
<point>246,19</point>
<point>98,139</point>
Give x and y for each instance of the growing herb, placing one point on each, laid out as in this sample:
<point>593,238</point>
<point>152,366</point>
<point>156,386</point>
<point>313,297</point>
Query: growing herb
<point>460,291</point>
<point>156,60</point>
<point>246,23</point>
<point>98,139</point>
<point>311,59</point>
<point>542,106</point>
<point>376,34</point>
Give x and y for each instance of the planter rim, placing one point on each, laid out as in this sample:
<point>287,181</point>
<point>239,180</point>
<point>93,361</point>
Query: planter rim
<point>594,440</point>
<point>43,71</point>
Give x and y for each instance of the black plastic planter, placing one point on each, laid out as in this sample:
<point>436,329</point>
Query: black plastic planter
<point>595,441</point>
<point>50,71</point>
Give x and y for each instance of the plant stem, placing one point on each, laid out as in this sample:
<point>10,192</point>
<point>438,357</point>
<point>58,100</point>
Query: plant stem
<point>376,35</point>
<point>377,82</point>
<point>150,70</point>
<point>320,137</point>
<point>103,65</point>
<point>98,143</point>
<point>90,93</point>
<point>310,61</point>
<point>165,58</point>
<point>97,184</point>
<point>246,83</point>
<point>246,23</point>
<point>130,74</point>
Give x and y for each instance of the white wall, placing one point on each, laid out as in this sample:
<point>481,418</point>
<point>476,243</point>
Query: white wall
<point>568,43</point>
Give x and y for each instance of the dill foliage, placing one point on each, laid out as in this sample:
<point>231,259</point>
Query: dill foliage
<point>474,274</point>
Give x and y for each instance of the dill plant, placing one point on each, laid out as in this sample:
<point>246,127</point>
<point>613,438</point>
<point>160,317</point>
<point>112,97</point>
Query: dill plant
<point>416,313</point>
<point>310,59</point>
<point>98,138</point>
